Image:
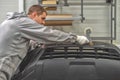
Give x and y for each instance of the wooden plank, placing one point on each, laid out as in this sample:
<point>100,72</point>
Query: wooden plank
<point>59,16</point>
<point>49,2</point>
<point>59,20</point>
<point>58,23</point>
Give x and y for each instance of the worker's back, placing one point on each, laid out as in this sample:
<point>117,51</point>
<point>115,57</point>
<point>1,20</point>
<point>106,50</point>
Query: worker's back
<point>13,47</point>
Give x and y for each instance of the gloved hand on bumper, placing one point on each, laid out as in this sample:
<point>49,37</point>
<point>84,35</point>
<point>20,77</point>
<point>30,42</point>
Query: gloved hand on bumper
<point>82,40</point>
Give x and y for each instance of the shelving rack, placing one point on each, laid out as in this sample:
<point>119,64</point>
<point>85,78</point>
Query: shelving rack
<point>112,4</point>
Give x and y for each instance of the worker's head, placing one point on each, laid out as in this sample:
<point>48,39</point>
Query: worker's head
<point>37,13</point>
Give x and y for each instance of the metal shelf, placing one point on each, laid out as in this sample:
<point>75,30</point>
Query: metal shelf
<point>111,3</point>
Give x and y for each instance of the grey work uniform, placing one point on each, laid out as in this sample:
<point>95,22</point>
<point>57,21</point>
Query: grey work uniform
<point>15,33</point>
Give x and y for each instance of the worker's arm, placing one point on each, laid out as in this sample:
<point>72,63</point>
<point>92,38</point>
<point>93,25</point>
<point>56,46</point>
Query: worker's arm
<point>32,30</point>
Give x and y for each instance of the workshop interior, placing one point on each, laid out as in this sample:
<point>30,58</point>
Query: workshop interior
<point>101,17</point>
<point>98,20</point>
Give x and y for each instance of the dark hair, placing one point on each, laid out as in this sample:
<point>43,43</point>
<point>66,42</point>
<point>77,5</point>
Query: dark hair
<point>36,8</point>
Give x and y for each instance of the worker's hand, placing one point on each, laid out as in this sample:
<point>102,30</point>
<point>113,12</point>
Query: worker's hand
<point>82,39</point>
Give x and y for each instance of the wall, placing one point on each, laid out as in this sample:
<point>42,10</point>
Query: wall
<point>96,16</point>
<point>117,41</point>
<point>7,6</point>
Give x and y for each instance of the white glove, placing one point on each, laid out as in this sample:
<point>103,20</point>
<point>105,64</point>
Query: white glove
<point>82,39</point>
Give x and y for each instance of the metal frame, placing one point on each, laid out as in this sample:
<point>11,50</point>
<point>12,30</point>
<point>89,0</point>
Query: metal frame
<point>39,1</point>
<point>112,26</point>
<point>113,18</point>
<point>82,14</point>
<point>66,3</point>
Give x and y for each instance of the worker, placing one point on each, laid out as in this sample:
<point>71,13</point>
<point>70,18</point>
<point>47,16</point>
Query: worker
<point>17,31</point>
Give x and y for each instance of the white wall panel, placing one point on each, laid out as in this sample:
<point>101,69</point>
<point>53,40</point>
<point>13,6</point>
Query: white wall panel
<point>7,6</point>
<point>117,41</point>
<point>96,16</point>
<point>28,3</point>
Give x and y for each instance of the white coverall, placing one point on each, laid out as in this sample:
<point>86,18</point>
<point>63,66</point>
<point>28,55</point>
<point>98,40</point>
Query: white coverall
<point>15,33</point>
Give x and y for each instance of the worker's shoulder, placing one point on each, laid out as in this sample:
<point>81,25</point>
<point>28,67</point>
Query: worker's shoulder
<point>26,20</point>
